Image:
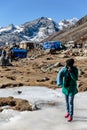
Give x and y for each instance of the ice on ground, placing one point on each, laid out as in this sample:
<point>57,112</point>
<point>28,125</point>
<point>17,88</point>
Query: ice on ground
<point>32,94</point>
<point>48,118</point>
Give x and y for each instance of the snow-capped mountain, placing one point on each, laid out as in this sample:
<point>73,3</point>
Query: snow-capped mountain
<point>36,30</point>
<point>67,23</point>
<point>7,29</point>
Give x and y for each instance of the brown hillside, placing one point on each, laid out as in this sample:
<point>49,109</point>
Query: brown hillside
<point>75,33</point>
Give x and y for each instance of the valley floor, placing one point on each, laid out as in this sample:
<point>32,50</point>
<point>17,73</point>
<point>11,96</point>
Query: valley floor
<point>40,69</point>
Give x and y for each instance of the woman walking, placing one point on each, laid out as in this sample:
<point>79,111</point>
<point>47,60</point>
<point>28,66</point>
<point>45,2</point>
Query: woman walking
<point>67,78</point>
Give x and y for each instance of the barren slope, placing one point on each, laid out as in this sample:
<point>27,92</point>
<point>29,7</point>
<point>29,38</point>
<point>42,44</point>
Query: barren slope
<point>75,33</point>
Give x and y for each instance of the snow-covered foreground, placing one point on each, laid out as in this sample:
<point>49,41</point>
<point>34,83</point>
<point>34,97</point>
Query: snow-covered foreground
<point>50,116</point>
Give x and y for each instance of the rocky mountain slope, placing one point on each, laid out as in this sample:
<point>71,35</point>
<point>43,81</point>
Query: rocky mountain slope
<point>67,23</point>
<point>76,32</point>
<point>36,30</point>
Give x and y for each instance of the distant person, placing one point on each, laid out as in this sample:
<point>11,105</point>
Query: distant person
<point>67,78</point>
<point>3,56</point>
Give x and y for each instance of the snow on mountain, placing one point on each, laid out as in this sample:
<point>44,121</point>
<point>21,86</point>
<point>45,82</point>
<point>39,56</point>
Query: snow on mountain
<point>67,23</point>
<point>18,29</point>
<point>42,34</point>
<point>7,29</point>
<point>36,30</point>
<point>49,18</point>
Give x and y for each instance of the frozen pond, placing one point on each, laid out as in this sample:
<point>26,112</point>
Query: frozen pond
<point>51,114</point>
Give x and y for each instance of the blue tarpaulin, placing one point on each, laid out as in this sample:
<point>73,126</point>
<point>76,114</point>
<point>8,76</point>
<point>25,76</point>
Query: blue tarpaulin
<point>52,45</point>
<point>20,53</point>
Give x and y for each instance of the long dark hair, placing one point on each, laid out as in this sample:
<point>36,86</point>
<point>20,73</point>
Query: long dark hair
<point>70,62</point>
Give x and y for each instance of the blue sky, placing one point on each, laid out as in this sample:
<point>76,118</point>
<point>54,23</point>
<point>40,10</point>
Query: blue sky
<point>20,11</point>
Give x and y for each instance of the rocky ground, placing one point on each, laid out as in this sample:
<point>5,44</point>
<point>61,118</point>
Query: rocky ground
<point>40,69</point>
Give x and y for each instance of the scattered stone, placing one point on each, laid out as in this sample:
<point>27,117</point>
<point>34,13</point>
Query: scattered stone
<point>53,82</point>
<point>44,79</point>
<point>19,92</point>
<point>58,64</point>
<point>11,77</point>
<point>15,104</point>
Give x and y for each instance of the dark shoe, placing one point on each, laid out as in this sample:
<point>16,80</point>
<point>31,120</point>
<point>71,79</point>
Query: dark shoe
<point>66,115</point>
<point>69,119</point>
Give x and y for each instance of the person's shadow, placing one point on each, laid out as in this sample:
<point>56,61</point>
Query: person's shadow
<point>80,118</point>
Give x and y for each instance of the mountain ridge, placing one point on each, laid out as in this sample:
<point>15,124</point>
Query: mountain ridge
<point>36,31</point>
<point>76,33</point>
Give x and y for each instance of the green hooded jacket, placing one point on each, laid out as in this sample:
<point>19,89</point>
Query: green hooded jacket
<point>71,87</point>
